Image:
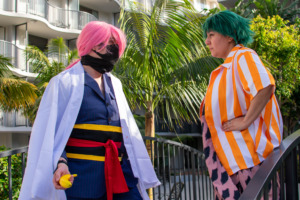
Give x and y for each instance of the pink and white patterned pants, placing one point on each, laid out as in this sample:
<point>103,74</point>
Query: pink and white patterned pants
<point>226,187</point>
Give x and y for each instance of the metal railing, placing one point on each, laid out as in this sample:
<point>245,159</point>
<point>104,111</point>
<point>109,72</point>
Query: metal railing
<point>8,155</point>
<point>59,17</point>
<point>13,119</point>
<point>180,168</point>
<point>183,174</point>
<point>283,161</point>
<point>17,54</point>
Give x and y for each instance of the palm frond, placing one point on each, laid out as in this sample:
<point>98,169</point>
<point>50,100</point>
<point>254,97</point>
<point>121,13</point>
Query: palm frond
<point>164,57</point>
<point>49,72</point>
<point>58,48</point>
<point>180,103</point>
<point>37,58</point>
<point>16,93</point>
<point>72,55</point>
<point>5,63</point>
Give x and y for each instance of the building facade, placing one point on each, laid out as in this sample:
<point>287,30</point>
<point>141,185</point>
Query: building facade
<point>35,22</point>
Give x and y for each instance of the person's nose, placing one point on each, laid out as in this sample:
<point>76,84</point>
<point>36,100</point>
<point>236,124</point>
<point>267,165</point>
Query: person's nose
<point>207,41</point>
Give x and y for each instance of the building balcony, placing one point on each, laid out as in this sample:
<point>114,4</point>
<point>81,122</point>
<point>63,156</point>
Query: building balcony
<point>43,18</point>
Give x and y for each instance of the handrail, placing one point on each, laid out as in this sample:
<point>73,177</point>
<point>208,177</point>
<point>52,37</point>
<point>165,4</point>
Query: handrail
<point>180,168</point>
<point>9,154</point>
<point>269,167</point>
<point>177,164</point>
<point>173,143</point>
<point>13,152</point>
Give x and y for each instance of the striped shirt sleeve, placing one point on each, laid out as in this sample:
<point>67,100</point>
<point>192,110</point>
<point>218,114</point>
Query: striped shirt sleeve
<point>252,73</point>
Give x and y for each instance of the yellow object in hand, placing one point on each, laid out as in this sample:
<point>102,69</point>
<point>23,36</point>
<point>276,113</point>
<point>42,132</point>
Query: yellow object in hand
<point>64,180</point>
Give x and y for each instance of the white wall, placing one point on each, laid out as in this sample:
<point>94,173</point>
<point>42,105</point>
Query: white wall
<point>107,17</point>
<point>58,3</point>
<point>10,34</point>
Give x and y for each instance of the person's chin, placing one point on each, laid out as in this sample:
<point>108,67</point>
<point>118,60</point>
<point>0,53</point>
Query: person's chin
<point>214,55</point>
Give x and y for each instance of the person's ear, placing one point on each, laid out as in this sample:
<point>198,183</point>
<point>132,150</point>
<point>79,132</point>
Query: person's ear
<point>230,39</point>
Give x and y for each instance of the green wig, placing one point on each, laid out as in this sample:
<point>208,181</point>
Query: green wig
<point>229,24</point>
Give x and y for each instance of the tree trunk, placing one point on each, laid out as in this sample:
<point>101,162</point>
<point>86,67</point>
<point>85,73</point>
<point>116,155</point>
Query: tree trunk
<point>149,132</point>
<point>149,121</point>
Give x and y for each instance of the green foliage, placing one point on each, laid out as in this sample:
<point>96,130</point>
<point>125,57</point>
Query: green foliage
<point>284,9</point>
<point>165,60</point>
<point>184,139</point>
<point>15,93</point>
<point>47,67</point>
<point>140,121</point>
<point>252,8</point>
<point>243,8</point>
<point>278,44</point>
<point>4,64</point>
<point>16,166</point>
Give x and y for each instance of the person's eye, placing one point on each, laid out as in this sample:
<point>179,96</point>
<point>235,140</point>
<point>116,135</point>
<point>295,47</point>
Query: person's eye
<point>100,45</point>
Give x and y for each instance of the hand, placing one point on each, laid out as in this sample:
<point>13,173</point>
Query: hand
<point>61,170</point>
<point>236,124</point>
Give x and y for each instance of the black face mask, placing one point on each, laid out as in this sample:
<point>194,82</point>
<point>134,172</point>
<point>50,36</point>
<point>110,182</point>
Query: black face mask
<point>97,64</point>
<point>112,54</point>
<point>106,64</point>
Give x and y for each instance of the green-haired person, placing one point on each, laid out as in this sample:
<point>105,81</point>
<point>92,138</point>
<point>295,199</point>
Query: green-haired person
<point>241,119</point>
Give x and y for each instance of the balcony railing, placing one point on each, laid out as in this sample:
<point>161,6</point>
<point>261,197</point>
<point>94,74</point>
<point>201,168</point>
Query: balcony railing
<point>10,50</point>
<point>13,119</point>
<point>180,168</point>
<point>18,56</point>
<point>59,17</point>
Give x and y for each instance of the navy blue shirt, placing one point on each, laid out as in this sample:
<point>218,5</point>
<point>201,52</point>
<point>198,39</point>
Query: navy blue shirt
<point>100,109</point>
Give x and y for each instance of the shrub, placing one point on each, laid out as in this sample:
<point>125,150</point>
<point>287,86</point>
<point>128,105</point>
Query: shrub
<point>278,44</point>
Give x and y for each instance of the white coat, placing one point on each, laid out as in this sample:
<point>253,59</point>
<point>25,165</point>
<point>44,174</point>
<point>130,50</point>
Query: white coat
<point>53,125</point>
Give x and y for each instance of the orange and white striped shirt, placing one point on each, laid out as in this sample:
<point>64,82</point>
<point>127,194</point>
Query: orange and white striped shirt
<point>231,88</point>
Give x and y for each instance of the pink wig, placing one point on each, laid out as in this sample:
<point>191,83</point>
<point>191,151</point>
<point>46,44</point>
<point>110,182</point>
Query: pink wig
<point>95,33</point>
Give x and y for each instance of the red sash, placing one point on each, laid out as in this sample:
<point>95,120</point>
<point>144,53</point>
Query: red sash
<point>114,177</point>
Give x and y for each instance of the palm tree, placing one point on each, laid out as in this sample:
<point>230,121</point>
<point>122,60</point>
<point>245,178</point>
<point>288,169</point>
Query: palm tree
<point>15,93</point>
<point>47,65</point>
<point>165,66</point>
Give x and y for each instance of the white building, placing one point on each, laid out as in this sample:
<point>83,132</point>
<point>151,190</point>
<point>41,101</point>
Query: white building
<point>35,22</point>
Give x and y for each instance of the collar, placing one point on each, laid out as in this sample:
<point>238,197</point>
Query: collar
<point>228,61</point>
<point>88,80</point>
<point>108,86</point>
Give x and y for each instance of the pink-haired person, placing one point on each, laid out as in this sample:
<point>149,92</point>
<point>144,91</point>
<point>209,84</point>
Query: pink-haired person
<point>84,126</point>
